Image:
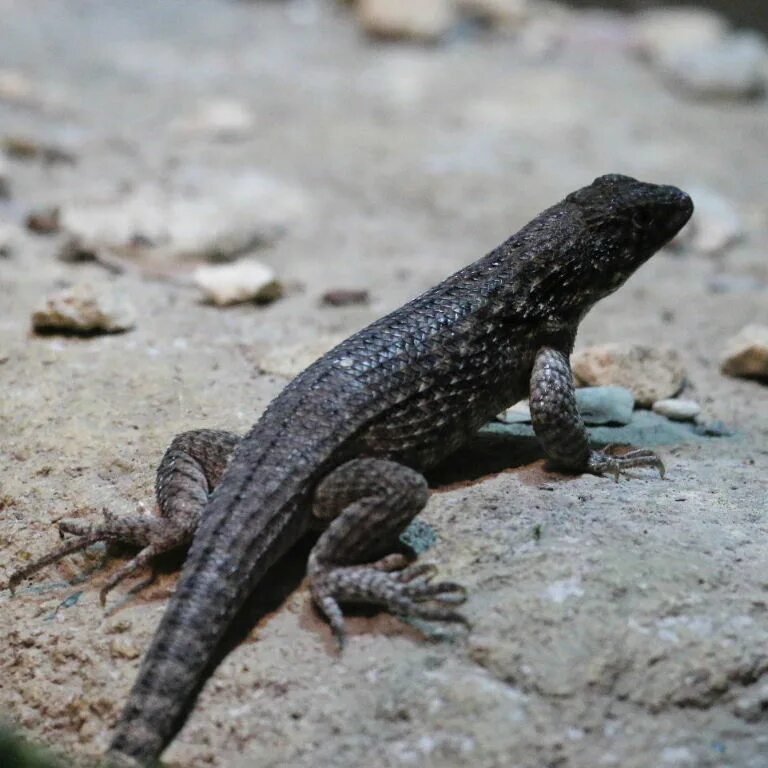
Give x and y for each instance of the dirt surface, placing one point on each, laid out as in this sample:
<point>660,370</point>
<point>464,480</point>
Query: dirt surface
<point>612,624</point>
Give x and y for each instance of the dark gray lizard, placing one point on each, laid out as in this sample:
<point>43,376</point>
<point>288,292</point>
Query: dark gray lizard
<point>345,442</point>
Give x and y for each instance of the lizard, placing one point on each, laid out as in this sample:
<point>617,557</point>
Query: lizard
<point>344,445</point>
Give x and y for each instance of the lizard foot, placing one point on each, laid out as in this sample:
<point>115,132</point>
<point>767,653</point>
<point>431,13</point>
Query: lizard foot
<point>153,535</point>
<point>403,590</point>
<point>602,462</point>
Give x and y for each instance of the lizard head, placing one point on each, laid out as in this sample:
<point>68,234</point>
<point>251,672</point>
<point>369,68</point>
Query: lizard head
<point>625,222</point>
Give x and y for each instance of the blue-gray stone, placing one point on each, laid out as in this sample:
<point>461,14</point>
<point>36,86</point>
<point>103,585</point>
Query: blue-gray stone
<point>605,405</point>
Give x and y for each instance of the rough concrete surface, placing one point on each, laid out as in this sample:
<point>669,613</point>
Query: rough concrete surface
<point>613,624</point>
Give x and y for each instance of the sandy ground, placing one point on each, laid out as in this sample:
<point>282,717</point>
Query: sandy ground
<point>612,624</point>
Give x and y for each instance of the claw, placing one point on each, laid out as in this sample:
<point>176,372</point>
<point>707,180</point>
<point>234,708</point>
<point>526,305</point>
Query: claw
<point>601,462</point>
<point>408,592</point>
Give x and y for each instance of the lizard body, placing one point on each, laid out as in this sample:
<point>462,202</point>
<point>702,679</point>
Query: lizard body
<point>345,442</point>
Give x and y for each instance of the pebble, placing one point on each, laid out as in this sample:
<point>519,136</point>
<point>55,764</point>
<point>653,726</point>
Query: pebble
<point>345,297</point>
<point>650,373</point>
<point>85,308</point>
<point>519,413</point>
<point>46,221</point>
<point>24,148</point>
<point>735,67</point>
<point>497,13</point>
<point>677,409</point>
<point>244,280</point>
<point>661,33</point>
<point>605,405</point>
<point>423,20</point>
<point>222,119</point>
<point>123,648</point>
<point>746,354</point>
<point>201,214</point>
<point>715,226</point>
<point>697,53</point>
<point>17,89</point>
<point>597,405</point>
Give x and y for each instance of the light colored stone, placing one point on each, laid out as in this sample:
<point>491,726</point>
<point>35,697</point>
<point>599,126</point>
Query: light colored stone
<point>661,33</point>
<point>650,373</point>
<point>199,215</point>
<point>243,280</point>
<point>605,405</point>
<point>746,354</point>
<point>289,361</point>
<point>16,88</point>
<point>735,67</point>
<point>123,648</point>
<point>224,119</point>
<point>677,409</point>
<point>427,20</point>
<point>499,13</point>
<point>86,308</point>
<point>597,405</point>
<point>519,413</point>
<point>716,223</point>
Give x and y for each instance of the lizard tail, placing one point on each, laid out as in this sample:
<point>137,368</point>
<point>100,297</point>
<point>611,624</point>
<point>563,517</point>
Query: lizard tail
<point>184,650</point>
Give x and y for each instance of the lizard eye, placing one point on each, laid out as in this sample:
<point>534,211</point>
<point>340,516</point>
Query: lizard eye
<point>642,221</point>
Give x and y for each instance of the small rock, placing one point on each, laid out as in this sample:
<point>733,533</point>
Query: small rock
<point>677,409</point>
<point>118,627</point>
<point>123,648</point>
<point>289,361</point>
<point>23,148</point>
<point>597,405</point>
<point>46,221</point>
<point>223,119</point>
<point>497,13</point>
<point>715,225</point>
<point>244,280</point>
<point>735,67</point>
<point>519,413</point>
<point>200,214</point>
<point>344,297</point>
<point>426,20</point>
<point>746,354</point>
<point>650,373</point>
<point>605,405</point>
<point>84,308</point>
<point>661,33</point>
<point>17,89</point>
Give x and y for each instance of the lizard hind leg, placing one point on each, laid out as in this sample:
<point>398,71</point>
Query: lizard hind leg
<point>191,467</point>
<point>370,503</point>
<point>153,534</point>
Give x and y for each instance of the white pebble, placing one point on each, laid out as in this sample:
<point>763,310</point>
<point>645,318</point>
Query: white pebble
<point>677,409</point>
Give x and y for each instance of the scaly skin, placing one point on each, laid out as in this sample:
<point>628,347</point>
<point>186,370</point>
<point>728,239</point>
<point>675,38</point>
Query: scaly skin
<point>388,402</point>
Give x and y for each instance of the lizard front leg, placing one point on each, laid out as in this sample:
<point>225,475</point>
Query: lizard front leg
<point>560,428</point>
<point>188,472</point>
<point>370,502</point>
